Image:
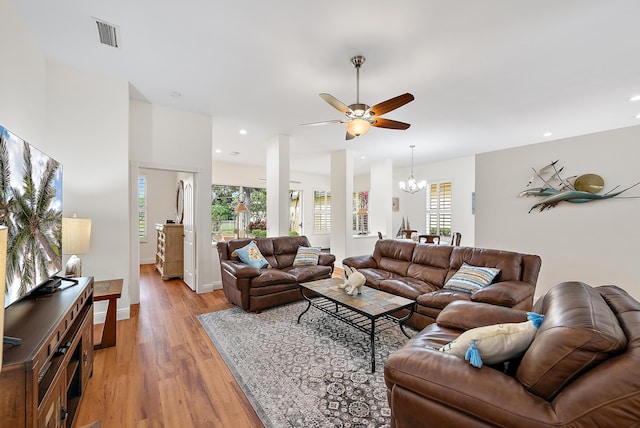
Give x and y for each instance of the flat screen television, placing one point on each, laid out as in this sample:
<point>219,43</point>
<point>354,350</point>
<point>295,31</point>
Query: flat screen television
<point>31,209</point>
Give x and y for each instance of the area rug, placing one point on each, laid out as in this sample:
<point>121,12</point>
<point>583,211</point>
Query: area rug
<point>313,374</point>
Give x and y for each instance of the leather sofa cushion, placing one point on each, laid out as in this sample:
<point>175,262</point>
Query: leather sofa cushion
<point>264,245</point>
<point>393,256</point>
<point>375,276</point>
<point>463,315</point>
<point>285,249</point>
<point>430,263</point>
<point>579,331</point>
<point>509,263</point>
<point>272,277</point>
<point>441,298</point>
<point>410,288</point>
<point>308,273</point>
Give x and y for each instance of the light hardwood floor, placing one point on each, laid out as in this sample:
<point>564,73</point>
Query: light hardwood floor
<point>164,371</point>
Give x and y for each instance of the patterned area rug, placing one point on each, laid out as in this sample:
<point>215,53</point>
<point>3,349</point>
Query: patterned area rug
<point>313,374</point>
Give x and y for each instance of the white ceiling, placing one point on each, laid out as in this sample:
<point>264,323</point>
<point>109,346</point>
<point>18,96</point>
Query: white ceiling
<point>486,75</point>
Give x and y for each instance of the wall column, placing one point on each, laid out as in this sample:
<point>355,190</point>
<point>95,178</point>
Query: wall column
<point>380,194</point>
<point>341,204</point>
<point>278,186</point>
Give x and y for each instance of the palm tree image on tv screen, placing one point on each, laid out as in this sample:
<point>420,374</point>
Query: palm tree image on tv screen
<point>31,208</point>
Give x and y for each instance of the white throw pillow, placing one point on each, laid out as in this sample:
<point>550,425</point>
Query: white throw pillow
<point>494,344</point>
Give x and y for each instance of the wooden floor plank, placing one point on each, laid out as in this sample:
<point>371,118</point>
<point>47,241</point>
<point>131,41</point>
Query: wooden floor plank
<point>164,371</point>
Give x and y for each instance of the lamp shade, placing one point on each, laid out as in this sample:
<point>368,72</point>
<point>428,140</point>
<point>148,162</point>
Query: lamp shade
<point>358,127</point>
<point>76,234</point>
<point>3,275</point>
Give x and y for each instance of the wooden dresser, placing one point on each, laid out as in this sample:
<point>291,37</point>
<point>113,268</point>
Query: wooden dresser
<point>170,250</point>
<point>44,378</point>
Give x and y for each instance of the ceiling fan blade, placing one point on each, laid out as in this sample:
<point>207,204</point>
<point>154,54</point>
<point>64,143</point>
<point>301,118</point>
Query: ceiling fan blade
<point>326,122</point>
<point>336,103</point>
<point>388,123</point>
<point>391,104</point>
<point>349,136</point>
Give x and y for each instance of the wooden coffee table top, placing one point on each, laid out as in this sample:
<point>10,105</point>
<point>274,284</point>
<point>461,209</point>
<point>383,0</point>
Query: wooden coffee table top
<point>371,302</point>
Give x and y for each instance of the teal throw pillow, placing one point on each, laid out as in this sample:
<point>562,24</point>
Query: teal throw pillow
<point>471,278</point>
<point>307,256</point>
<point>251,255</point>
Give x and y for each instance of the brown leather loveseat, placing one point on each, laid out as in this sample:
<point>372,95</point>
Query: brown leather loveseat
<point>581,370</point>
<point>420,271</point>
<point>255,289</point>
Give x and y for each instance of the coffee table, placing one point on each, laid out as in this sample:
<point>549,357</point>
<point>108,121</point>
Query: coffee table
<point>361,311</point>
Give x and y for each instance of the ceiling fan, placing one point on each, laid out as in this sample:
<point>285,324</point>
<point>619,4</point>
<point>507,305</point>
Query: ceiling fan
<point>359,117</point>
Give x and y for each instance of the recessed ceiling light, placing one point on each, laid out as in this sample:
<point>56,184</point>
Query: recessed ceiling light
<point>235,153</point>
<point>243,132</point>
<point>363,157</point>
<point>218,151</point>
<point>637,116</point>
<point>635,98</point>
<point>175,94</point>
<point>547,134</point>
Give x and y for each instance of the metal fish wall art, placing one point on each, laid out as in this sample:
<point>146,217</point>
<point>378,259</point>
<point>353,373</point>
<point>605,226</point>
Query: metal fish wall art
<point>575,189</point>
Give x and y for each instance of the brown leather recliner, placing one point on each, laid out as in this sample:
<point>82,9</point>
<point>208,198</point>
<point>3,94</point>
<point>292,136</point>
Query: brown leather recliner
<point>581,370</point>
<point>255,289</point>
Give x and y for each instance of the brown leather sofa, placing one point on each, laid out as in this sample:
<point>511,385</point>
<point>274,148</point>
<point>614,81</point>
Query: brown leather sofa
<point>581,370</point>
<point>255,289</point>
<point>420,271</point>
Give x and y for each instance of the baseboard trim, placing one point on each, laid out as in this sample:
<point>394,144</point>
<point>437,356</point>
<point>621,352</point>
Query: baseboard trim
<point>121,314</point>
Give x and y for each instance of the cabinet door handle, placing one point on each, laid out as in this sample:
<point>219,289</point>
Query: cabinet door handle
<point>85,357</point>
<point>63,413</point>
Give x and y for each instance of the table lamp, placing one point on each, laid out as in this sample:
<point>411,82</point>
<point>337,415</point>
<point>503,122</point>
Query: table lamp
<point>3,275</point>
<point>76,233</point>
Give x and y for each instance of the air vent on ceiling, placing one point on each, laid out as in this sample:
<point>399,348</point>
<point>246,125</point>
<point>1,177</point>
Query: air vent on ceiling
<point>108,34</point>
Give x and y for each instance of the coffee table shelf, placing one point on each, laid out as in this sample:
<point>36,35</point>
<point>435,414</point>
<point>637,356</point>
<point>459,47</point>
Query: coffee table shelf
<point>367,312</point>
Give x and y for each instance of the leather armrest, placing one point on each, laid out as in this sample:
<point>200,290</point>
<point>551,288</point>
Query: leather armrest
<point>325,259</point>
<point>464,315</point>
<point>450,380</point>
<point>239,270</point>
<point>505,293</point>
<point>359,262</point>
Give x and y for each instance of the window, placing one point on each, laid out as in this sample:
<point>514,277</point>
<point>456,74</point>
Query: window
<point>361,213</point>
<point>142,208</point>
<point>295,212</point>
<point>439,208</point>
<point>225,199</point>
<point>321,211</point>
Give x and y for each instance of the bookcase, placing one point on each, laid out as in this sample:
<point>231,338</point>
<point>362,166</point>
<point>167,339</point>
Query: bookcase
<point>43,379</point>
<point>170,250</point>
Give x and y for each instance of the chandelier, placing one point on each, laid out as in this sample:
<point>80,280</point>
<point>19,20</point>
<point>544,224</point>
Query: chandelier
<point>411,185</point>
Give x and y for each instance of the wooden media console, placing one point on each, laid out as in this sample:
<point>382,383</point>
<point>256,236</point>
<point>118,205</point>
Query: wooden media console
<point>43,379</point>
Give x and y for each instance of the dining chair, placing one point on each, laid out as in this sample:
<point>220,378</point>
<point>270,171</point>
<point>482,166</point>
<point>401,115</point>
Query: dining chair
<point>456,237</point>
<point>429,239</point>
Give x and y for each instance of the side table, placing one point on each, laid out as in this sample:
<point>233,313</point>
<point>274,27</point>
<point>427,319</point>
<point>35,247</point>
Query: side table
<point>109,290</point>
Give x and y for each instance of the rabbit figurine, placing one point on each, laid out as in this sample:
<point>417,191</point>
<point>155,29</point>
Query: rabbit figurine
<point>353,282</point>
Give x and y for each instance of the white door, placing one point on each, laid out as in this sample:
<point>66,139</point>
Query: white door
<point>189,237</point>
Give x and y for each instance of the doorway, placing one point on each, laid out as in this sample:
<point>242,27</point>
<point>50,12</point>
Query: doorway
<point>165,191</point>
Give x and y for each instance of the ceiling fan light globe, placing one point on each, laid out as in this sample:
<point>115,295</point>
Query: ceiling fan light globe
<point>403,185</point>
<point>358,127</point>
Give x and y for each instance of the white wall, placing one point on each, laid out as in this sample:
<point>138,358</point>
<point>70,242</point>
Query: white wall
<point>161,206</point>
<point>81,120</point>
<point>22,78</point>
<point>596,242</point>
<point>461,172</point>
<point>87,130</point>
<point>165,138</point>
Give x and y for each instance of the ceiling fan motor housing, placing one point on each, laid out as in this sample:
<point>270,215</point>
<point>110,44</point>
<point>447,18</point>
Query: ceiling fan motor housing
<point>357,61</point>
